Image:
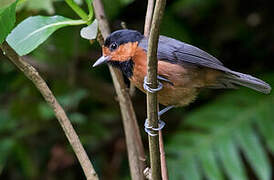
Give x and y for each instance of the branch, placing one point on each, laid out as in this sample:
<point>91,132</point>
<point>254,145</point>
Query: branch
<point>152,110</point>
<point>31,73</point>
<point>134,143</point>
<point>131,86</point>
<point>163,157</point>
<point>149,13</point>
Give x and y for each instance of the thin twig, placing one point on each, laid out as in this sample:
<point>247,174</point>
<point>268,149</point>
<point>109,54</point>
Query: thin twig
<point>31,73</point>
<point>131,86</point>
<point>152,65</point>
<point>134,143</point>
<point>149,13</point>
<point>163,157</point>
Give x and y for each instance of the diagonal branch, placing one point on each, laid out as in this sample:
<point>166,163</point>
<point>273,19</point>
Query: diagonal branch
<point>149,13</point>
<point>134,143</point>
<point>31,73</point>
<point>152,104</point>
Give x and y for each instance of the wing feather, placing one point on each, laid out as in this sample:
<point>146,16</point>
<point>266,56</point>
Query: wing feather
<point>177,52</point>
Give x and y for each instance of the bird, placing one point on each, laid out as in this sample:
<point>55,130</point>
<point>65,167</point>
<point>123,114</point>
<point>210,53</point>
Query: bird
<point>183,69</point>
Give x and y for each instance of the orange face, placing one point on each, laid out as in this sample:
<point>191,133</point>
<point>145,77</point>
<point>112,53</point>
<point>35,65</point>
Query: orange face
<point>123,52</point>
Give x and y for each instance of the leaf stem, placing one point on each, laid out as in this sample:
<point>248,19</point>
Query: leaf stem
<point>90,9</point>
<point>80,12</point>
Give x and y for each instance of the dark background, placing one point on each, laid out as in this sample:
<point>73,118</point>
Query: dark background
<point>32,144</point>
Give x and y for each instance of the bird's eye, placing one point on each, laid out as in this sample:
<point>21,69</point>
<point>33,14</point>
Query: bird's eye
<point>113,46</point>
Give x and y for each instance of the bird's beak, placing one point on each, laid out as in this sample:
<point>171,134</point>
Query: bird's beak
<point>101,60</point>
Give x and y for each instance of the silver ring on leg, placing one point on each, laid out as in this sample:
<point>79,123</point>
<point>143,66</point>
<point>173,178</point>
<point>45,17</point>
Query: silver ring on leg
<point>151,130</point>
<point>148,129</point>
<point>149,89</point>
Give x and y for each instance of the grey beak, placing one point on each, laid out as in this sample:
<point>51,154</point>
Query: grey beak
<point>101,60</point>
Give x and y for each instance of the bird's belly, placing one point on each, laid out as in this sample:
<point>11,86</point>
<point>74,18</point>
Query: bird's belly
<point>181,92</point>
<point>177,96</point>
<point>171,94</point>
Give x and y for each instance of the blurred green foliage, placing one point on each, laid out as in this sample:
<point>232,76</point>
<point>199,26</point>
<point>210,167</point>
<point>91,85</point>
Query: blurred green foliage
<point>219,131</point>
<point>7,20</point>
<point>225,134</point>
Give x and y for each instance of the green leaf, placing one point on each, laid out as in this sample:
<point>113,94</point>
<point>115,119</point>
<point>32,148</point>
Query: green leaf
<point>7,20</point>
<point>217,133</point>
<point>89,1</point>
<point>254,152</point>
<point>33,31</point>
<point>90,10</point>
<point>90,32</point>
<point>231,160</point>
<point>210,166</point>
<point>173,169</point>
<point>190,170</point>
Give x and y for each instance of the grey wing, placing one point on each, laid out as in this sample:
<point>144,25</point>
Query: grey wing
<point>183,52</point>
<point>178,52</point>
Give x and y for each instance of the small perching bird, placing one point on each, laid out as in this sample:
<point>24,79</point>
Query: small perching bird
<point>183,69</point>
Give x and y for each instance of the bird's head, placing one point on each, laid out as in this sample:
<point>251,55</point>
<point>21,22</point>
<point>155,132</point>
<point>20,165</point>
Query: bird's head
<point>119,47</point>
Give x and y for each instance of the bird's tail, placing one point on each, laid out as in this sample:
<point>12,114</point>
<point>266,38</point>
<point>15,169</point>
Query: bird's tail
<point>232,78</point>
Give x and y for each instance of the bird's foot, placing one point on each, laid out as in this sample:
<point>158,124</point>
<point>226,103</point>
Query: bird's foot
<point>151,130</point>
<point>149,89</point>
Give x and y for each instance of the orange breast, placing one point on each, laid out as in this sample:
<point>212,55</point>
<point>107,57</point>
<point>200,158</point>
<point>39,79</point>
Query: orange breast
<point>187,80</point>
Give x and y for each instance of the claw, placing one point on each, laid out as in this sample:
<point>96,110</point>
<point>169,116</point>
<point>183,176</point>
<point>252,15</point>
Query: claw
<point>161,126</point>
<point>165,110</point>
<point>150,130</point>
<point>149,89</point>
<point>164,79</point>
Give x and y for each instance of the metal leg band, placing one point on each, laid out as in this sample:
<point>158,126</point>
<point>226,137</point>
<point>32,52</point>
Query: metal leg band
<point>149,89</point>
<point>151,130</point>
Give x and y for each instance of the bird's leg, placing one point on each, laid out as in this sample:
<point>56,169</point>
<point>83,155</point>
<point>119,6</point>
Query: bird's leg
<point>164,79</point>
<point>149,89</point>
<point>160,85</point>
<point>161,123</point>
<point>148,128</point>
<point>165,110</point>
